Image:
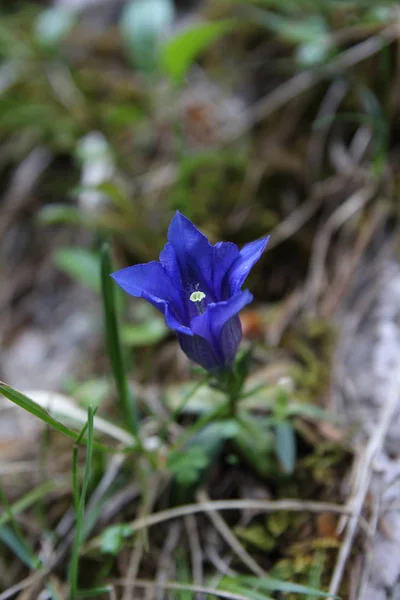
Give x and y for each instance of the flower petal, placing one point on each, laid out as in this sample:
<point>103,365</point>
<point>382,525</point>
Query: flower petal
<point>249,255</point>
<point>169,262</point>
<point>150,281</point>
<point>224,254</point>
<point>165,308</point>
<point>217,314</point>
<point>149,277</point>
<point>188,264</point>
<point>198,261</point>
<point>231,336</point>
<point>193,254</point>
<point>211,326</point>
<point>187,239</point>
<point>199,351</point>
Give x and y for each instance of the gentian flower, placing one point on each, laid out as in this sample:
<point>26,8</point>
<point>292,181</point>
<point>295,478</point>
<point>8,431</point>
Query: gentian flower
<point>197,287</point>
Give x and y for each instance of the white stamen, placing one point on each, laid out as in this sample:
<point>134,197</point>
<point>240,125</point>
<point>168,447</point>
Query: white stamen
<point>197,296</point>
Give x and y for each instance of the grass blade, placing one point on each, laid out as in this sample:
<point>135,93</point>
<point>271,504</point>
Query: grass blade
<point>35,409</point>
<point>180,52</point>
<point>269,584</point>
<point>95,592</point>
<point>113,342</point>
<point>14,537</point>
<point>74,566</point>
<point>19,547</point>
<point>41,413</point>
<point>286,445</point>
<point>30,499</point>
<point>235,586</point>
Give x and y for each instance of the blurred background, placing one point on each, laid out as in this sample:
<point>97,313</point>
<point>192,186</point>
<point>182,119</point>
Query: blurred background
<point>251,117</point>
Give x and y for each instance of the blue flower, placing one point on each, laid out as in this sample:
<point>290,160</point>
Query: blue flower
<point>197,287</point>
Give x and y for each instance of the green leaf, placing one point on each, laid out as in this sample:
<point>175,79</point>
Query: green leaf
<point>187,465</point>
<point>255,441</point>
<point>313,53</point>
<point>53,25</point>
<point>235,586</point>
<point>18,547</point>
<point>143,24</point>
<point>81,264</point>
<point>203,399</point>
<point>281,404</point>
<point>268,584</point>
<point>316,572</point>
<point>286,445</point>
<point>144,334</point>
<point>61,214</point>
<point>35,409</point>
<point>179,53</point>
<point>212,436</point>
<point>257,536</point>
<point>112,538</point>
<point>121,116</point>
<point>278,522</point>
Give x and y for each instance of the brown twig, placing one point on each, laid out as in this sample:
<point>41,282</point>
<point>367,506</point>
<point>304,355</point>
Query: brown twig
<point>364,479</point>
<point>186,587</point>
<point>196,553</point>
<point>137,552</point>
<point>345,211</point>
<point>260,505</point>
<point>164,563</point>
<point>306,80</point>
<point>230,538</point>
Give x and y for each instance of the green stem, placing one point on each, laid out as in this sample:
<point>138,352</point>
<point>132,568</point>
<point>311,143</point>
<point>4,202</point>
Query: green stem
<point>231,385</point>
<point>127,401</point>
<point>233,404</point>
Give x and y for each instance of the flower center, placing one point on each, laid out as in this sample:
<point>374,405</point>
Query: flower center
<point>198,298</point>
